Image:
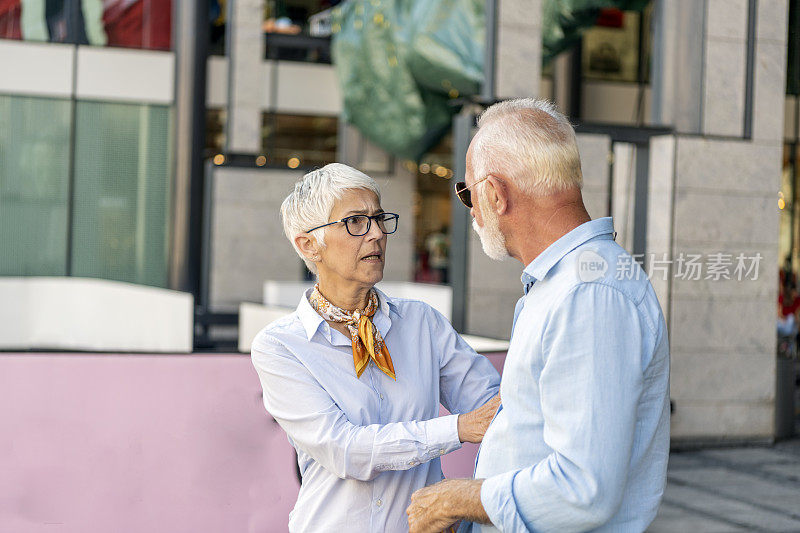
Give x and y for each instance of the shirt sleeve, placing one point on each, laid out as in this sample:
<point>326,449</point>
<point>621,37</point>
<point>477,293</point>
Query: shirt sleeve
<point>593,347</point>
<point>314,422</point>
<point>467,379</point>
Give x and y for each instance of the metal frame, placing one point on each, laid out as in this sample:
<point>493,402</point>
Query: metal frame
<point>749,80</point>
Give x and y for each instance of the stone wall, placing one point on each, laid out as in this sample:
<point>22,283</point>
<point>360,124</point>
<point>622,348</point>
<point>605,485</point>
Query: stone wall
<point>714,192</point>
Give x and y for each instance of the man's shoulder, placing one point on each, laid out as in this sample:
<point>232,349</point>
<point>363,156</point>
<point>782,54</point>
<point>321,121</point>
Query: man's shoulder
<point>603,264</point>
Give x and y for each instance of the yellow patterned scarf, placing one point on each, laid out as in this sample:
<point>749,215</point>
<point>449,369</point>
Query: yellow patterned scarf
<point>367,341</point>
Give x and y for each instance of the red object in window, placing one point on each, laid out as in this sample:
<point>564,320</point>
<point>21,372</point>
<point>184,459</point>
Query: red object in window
<point>610,17</point>
<point>10,13</point>
<point>138,23</point>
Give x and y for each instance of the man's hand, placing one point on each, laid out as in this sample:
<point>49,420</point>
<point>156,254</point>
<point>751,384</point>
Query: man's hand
<point>473,425</point>
<point>435,508</point>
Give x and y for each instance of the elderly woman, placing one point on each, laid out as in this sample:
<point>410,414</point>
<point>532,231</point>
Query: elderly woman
<point>354,376</point>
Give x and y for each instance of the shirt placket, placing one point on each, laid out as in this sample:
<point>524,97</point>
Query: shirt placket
<point>377,503</point>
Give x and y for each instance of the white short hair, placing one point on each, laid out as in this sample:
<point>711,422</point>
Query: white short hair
<point>529,141</point>
<point>311,202</point>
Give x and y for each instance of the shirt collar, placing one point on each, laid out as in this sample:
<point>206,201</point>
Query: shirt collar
<point>538,269</point>
<point>311,320</point>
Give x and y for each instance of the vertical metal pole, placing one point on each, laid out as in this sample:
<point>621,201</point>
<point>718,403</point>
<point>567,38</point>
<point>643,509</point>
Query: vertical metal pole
<point>460,222</point>
<point>489,53</point>
<point>191,52</point>
<point>73,131</point>
<point>750,65</point>
<point>642,154</point>
<point>459,215</point>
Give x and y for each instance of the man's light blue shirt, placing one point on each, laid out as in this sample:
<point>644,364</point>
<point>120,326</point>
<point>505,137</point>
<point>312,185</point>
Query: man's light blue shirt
<point>582,439</point>
<point>364,445</point>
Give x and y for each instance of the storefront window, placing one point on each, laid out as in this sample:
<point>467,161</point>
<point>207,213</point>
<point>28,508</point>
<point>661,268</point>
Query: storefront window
<point>119,23</point>
<point>294,30</point>
<point>215,131</point>
<point>432,213</point>
<point>298,141</point>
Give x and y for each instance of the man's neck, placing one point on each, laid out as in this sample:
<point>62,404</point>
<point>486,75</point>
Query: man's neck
<point>541,223</point>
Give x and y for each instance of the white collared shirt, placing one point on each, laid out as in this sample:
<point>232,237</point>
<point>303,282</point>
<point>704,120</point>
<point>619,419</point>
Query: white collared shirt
<point>365,445</point>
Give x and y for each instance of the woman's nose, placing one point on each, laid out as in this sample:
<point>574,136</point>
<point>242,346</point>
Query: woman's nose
<point>374,232</point>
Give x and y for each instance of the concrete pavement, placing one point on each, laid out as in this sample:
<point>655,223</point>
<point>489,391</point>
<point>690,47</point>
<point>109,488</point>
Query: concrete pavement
<point>732,490</point>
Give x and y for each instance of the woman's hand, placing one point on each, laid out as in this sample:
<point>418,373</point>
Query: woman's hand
<point>473,425</point>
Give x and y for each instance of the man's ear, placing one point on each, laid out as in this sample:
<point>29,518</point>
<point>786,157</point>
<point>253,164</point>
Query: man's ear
<point>498,194</point>
<point>308,246</point>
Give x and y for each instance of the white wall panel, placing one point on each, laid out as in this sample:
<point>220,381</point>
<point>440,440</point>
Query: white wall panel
<point>307,88</point>
<point>36,69</point>
<point>93,315</point>
<point>142,76</point>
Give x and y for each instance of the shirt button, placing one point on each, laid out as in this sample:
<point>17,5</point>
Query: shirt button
<point>381,396</point>
<point>379,503</point>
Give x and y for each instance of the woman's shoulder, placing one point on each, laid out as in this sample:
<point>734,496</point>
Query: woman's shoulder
<point>409,306</point>
<point>274,335</point>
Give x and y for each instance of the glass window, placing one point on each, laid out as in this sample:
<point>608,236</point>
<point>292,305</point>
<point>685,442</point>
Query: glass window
<point>613,48</point>
<point>215,131</point>
<point>432,212</point>
<point>124,23</point>
<point>299,140</point>
<point>34,184</point>
<point>121,195</point>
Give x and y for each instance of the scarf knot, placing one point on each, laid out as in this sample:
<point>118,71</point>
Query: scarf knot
<point>367,342</point>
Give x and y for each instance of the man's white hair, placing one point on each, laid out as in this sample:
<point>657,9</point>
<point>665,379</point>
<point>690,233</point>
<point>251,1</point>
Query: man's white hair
<point>310,203</point>
<point>529,141</point>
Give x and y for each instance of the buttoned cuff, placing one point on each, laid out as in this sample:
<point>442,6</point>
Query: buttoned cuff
<point>442,435</point>
<point>497,498</point>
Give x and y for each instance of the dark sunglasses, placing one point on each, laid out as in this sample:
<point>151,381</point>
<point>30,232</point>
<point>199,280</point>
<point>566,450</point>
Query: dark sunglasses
<point>463,192</point>
<point>358,225</point>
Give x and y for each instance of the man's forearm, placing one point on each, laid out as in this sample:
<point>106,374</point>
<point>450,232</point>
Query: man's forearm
<point>436,507</point>
<point>466,501</point>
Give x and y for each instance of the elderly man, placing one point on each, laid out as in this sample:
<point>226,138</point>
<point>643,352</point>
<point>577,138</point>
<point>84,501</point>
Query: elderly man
<point>581,439</point>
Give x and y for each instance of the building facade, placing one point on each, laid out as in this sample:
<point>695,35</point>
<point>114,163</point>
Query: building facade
<point>685,128</point>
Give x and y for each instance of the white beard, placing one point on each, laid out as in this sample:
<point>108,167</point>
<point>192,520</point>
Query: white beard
<point>492,239</point>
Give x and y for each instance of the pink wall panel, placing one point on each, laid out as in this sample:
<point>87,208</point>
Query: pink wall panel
<point>133,443</point>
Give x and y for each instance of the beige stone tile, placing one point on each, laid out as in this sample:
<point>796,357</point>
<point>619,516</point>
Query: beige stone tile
<point>520,13</point>
<point>708,218</point>
<point>723,324</point>
<point>490,312</point>
<point>754,277</point>
<point>723,87</point>
<point>722,419</point>
<point>772,20</point>
<point>726,19</point>
<point>722,377</point>
<point>518,66</point>
<point>769,92</point>
<point>728,165</point>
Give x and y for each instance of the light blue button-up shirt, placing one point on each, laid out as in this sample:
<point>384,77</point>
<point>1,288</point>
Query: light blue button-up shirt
<point>582,439</point>
<point>365,445</point>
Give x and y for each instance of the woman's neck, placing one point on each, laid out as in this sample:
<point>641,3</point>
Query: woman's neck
<point>348,298</point>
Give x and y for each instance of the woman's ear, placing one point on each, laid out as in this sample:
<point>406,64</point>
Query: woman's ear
<point>308,246</point>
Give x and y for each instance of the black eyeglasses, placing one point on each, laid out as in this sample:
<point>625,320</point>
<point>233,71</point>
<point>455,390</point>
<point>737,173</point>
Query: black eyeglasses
<point>358,225</point>
<point>463,192</point>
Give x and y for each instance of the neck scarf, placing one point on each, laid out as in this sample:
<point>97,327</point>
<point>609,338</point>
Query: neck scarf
<point>367,341</point>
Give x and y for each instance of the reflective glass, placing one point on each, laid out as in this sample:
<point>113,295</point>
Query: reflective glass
<point>34,182</point>
<point>121,196</point>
